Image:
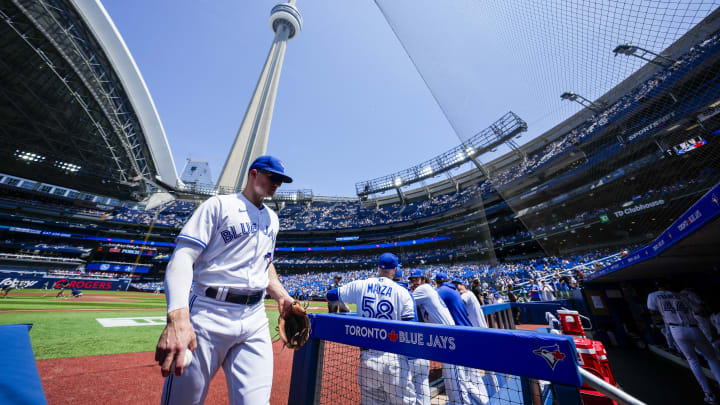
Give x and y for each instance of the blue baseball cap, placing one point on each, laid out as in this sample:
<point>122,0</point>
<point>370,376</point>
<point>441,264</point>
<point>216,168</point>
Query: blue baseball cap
<point>416,273</point>
<point>271,164</point>
<point>459,281</point>
<point>388,261</point>
<point>440,276</point>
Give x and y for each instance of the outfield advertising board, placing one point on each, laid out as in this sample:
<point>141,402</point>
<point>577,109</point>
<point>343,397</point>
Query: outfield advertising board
<point>38,282</point>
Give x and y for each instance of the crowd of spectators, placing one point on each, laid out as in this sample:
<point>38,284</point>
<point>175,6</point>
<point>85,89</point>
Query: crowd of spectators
<point>150,286</point>
<point>351,214</point>
<point>172,214</point>
<point>501,278</point>
<point>611,113</point>
<point>66,272</point>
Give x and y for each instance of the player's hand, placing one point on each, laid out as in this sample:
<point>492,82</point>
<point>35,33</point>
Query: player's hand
<point>177,336</point>
<point>285,304</point>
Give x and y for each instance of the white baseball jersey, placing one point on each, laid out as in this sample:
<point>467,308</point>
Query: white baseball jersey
<point>475,312</point>
<point>238,241</point>
<point>380,298</point>
<point>432,308</point>
<point>675,308</point>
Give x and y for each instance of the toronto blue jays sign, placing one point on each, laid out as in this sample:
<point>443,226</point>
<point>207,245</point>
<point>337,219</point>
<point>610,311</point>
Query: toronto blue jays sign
<point>542,356</point>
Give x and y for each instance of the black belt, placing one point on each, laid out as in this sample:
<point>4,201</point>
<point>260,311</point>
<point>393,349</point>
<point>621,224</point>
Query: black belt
<point>687,326</point>
<point>244,299</point>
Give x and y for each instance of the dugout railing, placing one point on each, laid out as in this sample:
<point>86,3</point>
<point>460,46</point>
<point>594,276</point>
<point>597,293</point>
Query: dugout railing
<point>511,367</point>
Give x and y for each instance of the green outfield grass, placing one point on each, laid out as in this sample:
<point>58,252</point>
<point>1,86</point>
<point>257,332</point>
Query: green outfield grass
<point>78,333</point>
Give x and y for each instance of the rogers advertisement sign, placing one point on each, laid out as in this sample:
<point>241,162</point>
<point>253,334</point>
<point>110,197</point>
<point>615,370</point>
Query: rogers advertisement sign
<point>87,284</point>
<point>54,282</point>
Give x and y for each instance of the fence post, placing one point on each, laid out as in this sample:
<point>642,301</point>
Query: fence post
<point>530,391</point>
<point>306,367</point>
<point>511,315</point>
<point>564,394</point>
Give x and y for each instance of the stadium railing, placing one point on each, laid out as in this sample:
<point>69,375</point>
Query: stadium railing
<point>487,366</point>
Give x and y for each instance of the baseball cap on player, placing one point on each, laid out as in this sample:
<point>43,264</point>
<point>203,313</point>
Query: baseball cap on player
<point>416,273</point>
<point>440,276</point>
<point>458,281</point>
<point>399,272</point>
<point>271,164</point>
<point>388,261</point>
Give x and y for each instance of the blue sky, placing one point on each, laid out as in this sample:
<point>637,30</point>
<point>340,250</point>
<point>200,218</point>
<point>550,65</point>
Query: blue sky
<point>351,104</point>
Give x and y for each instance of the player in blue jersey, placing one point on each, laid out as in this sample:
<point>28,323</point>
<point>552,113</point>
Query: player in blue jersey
<point>383,377</point>
<point>448,292</point>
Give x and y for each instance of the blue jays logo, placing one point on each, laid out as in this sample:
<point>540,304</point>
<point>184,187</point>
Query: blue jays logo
<point>715,199</point>
<point>551,354</point>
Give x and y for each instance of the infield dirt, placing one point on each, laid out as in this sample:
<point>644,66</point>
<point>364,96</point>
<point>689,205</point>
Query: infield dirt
<point>134,378</point>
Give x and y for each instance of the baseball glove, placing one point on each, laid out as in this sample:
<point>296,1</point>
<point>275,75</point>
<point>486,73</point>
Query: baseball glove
<point>294,327</point>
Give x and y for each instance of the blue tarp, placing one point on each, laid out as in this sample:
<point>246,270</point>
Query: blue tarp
<point>19,378</point>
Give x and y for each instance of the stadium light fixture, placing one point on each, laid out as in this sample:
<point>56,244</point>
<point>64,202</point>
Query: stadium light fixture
<point>427,171</point>
<point>68,167</point>
<point>569,95</point>
<point>638,52</point>
<point>398,181</point>
<point>460,156</point>
<point>28,156</point>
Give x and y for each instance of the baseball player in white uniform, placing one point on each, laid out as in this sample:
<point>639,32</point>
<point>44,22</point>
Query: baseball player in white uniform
<point>383,378</point>
<point>678,314</point>
<point>472,305</point>
<point>700,317</point>
<point>433,310</point>
<point>418,368</point>
<point>226,248</point>
<point>715,321</point>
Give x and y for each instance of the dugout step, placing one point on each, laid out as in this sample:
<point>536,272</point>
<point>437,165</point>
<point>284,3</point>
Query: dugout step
<point>654,379</point>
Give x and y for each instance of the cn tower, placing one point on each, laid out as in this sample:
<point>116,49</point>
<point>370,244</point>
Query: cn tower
<point>252,137</point>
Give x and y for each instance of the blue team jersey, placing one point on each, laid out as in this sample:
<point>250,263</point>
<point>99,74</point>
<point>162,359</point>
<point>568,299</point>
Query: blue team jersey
<point>449,294</point>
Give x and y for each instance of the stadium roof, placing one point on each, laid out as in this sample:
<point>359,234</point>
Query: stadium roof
<point>75,110</point>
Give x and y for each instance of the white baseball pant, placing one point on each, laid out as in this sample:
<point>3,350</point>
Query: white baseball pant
<point>383,380</point>
<point>690,338</point>
<point>419,371</point>
<point>235,337</point>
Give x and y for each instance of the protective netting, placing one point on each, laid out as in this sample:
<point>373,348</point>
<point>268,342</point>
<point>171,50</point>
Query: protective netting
<point>630,146</point>
<point>354,375</point>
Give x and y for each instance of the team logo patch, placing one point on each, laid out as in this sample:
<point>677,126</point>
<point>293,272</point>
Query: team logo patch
<point>715,199</point>
<point>551,354</point>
